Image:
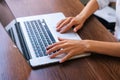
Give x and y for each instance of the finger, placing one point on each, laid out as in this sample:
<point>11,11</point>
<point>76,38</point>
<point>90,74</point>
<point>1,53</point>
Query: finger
<point>57,53</point>
<point>77,28</point>
<point>66,57</point>
<point>64,23</point>
<point>50,46</point>
<point>55,44</point>
<point>72,23</point>
<point>68,26</point>
<point>59,23</point>
<point>61,39</point>
<point>54,48</point>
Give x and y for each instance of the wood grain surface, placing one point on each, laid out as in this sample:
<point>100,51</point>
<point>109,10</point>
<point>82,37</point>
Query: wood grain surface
<point>13,66</point>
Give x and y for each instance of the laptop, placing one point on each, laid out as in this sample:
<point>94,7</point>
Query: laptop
<point>33,34</point>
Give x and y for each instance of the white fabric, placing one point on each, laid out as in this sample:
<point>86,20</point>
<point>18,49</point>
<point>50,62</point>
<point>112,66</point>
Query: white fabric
<point>104,3</point>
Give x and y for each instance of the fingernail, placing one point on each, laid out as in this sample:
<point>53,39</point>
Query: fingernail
<point>57,30</point>
<point>75,30</point>
<point>61,32</point>
<point>47,52</point>
<point>60,61</point>
<point>51,56</point>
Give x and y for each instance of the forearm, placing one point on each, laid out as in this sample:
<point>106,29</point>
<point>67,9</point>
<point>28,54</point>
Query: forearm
<point>107,48</point>
<point>89,9</point>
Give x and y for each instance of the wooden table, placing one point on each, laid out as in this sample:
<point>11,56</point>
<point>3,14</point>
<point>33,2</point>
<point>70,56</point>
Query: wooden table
<point>13,66</point>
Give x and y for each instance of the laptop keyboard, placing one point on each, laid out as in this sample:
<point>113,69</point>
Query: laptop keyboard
<point>40,36</point>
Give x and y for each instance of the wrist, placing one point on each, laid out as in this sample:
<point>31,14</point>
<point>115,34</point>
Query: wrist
<point>88,45</point>
<point>82,16</point>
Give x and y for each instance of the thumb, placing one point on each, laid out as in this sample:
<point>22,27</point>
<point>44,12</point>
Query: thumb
<point>68,56</point>
<point>77,28</point>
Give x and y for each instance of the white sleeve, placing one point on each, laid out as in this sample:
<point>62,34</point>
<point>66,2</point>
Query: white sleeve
<point>104,3</point>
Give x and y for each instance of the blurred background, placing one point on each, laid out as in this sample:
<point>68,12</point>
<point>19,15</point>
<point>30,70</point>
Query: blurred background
<point>109,26</point>
<point>84,1</point>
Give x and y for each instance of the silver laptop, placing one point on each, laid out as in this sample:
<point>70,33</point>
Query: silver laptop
<point>34,33</point>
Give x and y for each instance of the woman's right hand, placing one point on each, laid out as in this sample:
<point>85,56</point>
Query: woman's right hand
<point>67,23</point>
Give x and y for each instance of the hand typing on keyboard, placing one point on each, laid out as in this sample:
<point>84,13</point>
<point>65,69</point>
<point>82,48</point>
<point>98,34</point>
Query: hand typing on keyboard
<point>67,23</point>
<point>68,47</point>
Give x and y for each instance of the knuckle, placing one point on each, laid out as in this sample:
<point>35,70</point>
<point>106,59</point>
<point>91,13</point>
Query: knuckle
<point>74,21</point>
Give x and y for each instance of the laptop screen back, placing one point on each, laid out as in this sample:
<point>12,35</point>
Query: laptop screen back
<point>6,15</point>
